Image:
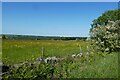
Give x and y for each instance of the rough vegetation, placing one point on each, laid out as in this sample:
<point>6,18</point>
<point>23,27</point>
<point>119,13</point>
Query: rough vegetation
<point>90,65</point>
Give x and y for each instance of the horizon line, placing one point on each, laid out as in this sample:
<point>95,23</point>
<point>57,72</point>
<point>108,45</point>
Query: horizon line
<point>41,35</point>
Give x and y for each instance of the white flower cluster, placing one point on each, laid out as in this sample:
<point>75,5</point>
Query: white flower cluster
<point>107,36</point>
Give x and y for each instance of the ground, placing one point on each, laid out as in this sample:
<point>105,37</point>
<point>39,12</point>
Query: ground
<point>95,65</point>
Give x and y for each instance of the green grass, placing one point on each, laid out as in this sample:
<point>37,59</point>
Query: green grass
<point>0,58</point>
<point>101,67</point>
<point>15,51</point>
<point>93,66</point>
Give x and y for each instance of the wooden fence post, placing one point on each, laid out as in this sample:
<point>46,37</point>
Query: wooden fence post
<point>42,55</point>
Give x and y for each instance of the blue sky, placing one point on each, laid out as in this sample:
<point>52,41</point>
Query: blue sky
<point>52,18</point>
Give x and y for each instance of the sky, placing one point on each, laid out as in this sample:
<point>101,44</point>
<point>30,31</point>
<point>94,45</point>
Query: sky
<point>0,18</point>
<point>52,18</point>
<point>60,0</point>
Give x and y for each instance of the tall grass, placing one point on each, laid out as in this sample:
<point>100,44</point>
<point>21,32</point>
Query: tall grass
<point>95,65</point>
<point>15,51</point>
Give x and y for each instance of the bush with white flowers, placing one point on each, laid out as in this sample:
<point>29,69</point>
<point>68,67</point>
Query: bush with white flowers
<point>107,37</point>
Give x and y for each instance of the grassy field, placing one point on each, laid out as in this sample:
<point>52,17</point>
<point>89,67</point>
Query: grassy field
<point>93,66</point>
<point>0,52</point>
<point>15,51</point>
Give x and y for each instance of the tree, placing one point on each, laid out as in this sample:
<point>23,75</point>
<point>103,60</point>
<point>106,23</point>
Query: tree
<point>111,15</point>
<point>3,37</point>
<point>105,31</point>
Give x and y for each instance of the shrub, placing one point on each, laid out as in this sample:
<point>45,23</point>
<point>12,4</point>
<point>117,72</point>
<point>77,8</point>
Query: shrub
<point>32,71</point>
<point>107,37</point>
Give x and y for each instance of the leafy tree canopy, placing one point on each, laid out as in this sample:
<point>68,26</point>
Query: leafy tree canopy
<point>111,15</point>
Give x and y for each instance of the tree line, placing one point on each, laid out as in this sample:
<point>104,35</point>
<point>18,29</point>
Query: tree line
<point>26,37</point>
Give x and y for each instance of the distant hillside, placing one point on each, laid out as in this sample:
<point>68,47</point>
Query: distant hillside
<point>29,37</point>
